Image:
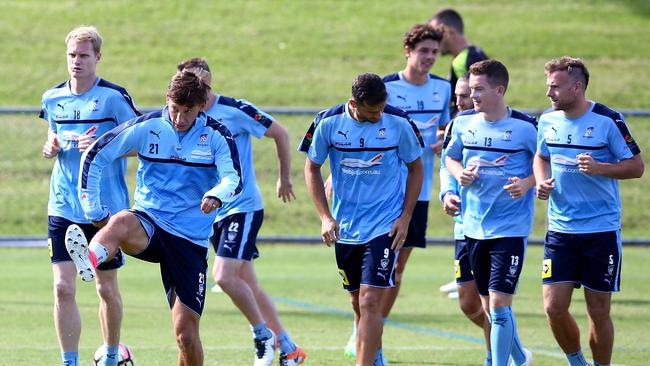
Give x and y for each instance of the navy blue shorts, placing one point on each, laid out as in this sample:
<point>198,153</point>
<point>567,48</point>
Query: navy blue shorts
<point>235,236</point>
<point>371,264</point>
<point>497,263</point>
<point>591,260</point>
<point>183,264</point>
<point>56,227</point>
<point>462,268</point>
<point>416,237</point>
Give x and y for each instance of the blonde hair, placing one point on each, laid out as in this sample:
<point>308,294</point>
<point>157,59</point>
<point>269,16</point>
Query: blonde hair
<point>575,67</point>
<point>85,33</point>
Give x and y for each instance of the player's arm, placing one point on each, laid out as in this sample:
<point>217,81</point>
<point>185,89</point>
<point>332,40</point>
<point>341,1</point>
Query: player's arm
<point>314,181</point>
<point>51,147</point>
<point>543,178</point>
<point>624,169</point>
<point>464,176</point>
<point>413,186</point>
<point>280,135</point>
<point>106,149</point>
<point>229,168</point>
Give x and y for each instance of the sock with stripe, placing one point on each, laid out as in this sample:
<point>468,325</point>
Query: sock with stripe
<point>576,359</point>
<point>502,335</point>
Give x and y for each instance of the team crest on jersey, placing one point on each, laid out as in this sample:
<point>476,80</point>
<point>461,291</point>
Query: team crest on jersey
<point>203,137</point>
<point>589,132</point>
<point>436,97</point>
<point>94,107</point>
<point>507,135</point>
<point>381,132</point>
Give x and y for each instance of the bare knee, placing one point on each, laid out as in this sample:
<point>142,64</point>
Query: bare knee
<point>186,337</point>
<point>369,302</point>
<point>64,291</point>
<point>598,312</point>
<point>108,291</point>
<point>555,310</point>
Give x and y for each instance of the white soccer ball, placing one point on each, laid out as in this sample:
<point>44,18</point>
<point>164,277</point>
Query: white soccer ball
<point>124,356</point>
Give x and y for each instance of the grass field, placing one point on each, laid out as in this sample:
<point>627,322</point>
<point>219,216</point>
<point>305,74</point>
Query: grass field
<point>425,328</point>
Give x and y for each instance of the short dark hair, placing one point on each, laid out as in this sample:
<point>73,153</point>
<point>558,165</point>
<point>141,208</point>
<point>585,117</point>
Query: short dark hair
<point>495,71</point>
<point>187,89</point>
<point>369,88</point>
<point>199,66</point>
<point>420,32</point>
<point>450,18</point>
<point>575,67</point>
<point>199,62</point>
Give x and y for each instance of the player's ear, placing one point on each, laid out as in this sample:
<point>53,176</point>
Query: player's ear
<point>99,56</point>
<point>353,103</point>
<point>407,51</point>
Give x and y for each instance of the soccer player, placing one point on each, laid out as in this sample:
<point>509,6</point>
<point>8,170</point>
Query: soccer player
<point>583,149</point>
<point>189,167</point>
<point>490,154</point>
<point>77,111</point>
<point>468,296</point>
<point>425,98</point>
<point>238,222</point>
<point>455,43</point>
<point>367,142</point>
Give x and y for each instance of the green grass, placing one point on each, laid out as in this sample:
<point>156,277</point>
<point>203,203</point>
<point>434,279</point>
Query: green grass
<point>24,185</point>
<point>306,53</point>
<point>426,329</point>
<point>301,53</point>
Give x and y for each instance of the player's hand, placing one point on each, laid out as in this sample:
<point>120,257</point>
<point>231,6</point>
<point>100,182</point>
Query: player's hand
<point>587,164</point>
<point>398,233</point>
<point>328,188</point>
<point>516,187</point>
<point>451,204</point>
<point>437,147</point>
<point>86,138</point>
<point>209,204</point>
<point>329,231</point>
<point>51,148</point>
<point>545,188</point>
<point>468,175</point>
<point>284,189</point>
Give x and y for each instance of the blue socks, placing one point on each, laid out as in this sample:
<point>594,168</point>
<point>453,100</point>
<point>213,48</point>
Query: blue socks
<point>577,359</point>
<point>69,358</point>
<point>379,358</point>
<point>488,358</point>
<point>111,358</point>
<point>502,336</point>
<point>261,331</point>
<point>286,344</point>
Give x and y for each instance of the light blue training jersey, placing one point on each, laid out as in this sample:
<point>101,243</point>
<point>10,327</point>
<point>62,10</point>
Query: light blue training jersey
<point>101,108</point>
<point>428,107</point>
<point>243,120</point>
<point>449,184</point>
<point>581,203</point>
<point>177,170</point>
<point>365,161</point>
<point>500,150</point>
